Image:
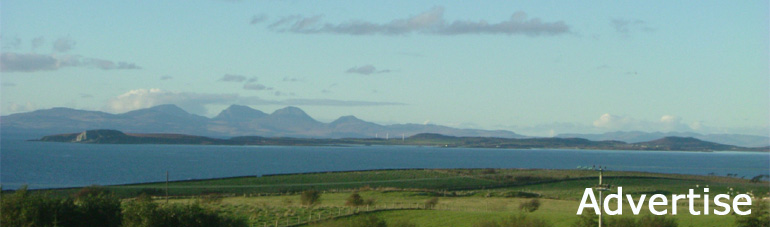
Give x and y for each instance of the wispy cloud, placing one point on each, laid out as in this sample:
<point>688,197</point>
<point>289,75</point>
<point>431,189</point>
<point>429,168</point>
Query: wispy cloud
<point>256,19</point>
<point>256,87</point>
<point>431,21</point>
<point>232,78</point>
<point>291,79</point>
<point>31,62</point>
<point>63,45</point>
<point>366,70</point>
<point>624,26</point>
<point>197,102</point>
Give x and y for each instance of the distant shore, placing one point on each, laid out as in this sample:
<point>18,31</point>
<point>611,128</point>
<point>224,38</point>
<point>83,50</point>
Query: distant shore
<point>107,136</point>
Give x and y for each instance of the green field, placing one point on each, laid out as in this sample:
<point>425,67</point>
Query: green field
<point>465,196</point>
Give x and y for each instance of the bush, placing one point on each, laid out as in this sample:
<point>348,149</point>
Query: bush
<point>656,221</point>
<point>310,197</point>
<point>760,215</point>
<point>587,219</point>
<point>431,203</point>
<point>354,200</point>
<point>99,209</point>
<point>23,208</point>
<point>530,206</point>
<point>519,220</point>
<point>143,211</point>
<point>92,208</point>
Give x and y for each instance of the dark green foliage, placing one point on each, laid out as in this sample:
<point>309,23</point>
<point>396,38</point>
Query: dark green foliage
<point>656,221</point>
<point>90,209</point>
<point>142,211</point>
<point>99,209</point>
<point>354,200</point>
<point>760,215</point>
<point>530,206</point>
<point>310,197</point>
<point>517,194</point>
<point>518,220</point>
<point>758,178</point>
<point>431,203</point>
<point>620,221</point>
<point>587,219</point>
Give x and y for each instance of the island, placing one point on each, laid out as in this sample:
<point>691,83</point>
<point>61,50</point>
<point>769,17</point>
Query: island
<point>108,136</point>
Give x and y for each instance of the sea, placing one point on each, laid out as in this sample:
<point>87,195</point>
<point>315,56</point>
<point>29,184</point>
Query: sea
<point>60,165</point>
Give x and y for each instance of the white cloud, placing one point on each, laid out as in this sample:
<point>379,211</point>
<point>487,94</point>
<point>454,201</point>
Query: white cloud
<point>666,123</point>
<point>614,122</point>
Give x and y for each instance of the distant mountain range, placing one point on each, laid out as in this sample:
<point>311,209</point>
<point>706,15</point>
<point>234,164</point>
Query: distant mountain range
<point>236,120</point>
<point>637,136</point>
<point>239,120</point>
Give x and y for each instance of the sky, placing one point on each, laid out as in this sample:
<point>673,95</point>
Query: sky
<point>533,67</point>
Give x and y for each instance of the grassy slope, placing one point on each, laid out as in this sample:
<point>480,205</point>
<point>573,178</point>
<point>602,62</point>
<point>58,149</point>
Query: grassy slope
<point>469,195</point>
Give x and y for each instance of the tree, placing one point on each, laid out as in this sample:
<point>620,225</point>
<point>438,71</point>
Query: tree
<point>310,197</point>
<point>354,200</point>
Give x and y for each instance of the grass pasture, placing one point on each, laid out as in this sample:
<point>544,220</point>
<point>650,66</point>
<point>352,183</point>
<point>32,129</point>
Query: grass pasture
<point>465,196</point>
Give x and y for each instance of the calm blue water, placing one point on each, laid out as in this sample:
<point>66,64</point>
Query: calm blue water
<point>52,165</point>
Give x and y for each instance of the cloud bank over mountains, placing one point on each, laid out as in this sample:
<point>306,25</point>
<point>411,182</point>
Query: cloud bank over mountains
<point>197,102</point>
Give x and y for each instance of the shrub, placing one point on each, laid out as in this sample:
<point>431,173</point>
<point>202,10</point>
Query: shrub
<point>431,203</point>
<point>587,219</point>
<point>310,197</point>
<point>354,200</point>
<point>656,221</point>
<point>92,208</point>
<point>99,209</point>
<point>760,215</point>
<point>23,208</point>
<point>530,206</point>
<point>144,212</point>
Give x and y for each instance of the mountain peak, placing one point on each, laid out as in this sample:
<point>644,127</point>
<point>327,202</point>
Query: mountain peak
<point>169,109</point>
<point>238,112</point>
<point>290,111</point>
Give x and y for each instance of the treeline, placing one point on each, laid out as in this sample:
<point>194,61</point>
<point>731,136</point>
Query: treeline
<point>95,206</point>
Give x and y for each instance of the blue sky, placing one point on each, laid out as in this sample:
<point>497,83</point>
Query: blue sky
<point>534,67</point>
